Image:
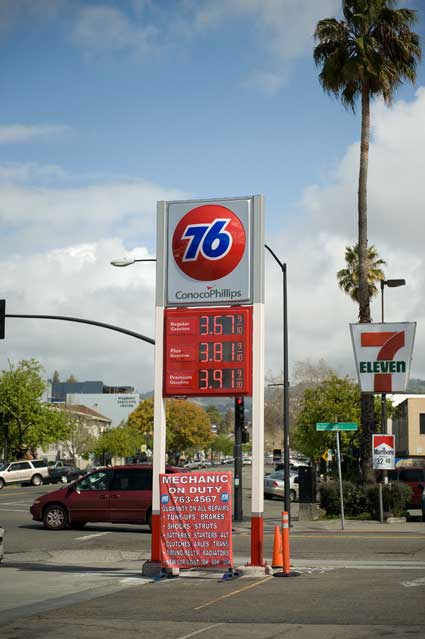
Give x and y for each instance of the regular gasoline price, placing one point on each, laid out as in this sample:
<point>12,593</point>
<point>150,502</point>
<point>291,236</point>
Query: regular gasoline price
<point>221,324</point>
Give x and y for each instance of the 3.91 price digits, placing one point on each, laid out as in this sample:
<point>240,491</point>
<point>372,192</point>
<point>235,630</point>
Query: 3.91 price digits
<point>218,378</point>
<point>221,352</point>
<point>221,324</point>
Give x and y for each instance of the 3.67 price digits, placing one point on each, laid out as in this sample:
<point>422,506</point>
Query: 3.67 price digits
<point>221,352</point>
<point>218,378</point>
<point>221,324</point>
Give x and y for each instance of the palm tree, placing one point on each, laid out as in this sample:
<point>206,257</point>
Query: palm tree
<point>367,54</point>
<point>348,277</point>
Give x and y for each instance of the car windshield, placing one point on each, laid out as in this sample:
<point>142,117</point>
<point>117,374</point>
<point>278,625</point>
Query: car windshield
<point>3,466</point>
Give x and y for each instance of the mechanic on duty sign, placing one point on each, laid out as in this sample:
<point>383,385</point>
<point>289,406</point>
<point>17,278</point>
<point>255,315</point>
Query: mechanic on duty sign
<point>196,519</point>
<point>209,252</point>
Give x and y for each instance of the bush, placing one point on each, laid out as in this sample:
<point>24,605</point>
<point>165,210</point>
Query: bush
<point>395,497</point>
<point>360,498</point>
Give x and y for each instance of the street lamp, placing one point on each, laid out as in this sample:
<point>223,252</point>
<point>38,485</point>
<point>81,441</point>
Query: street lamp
<point>390,284</point>
<point>127,261</point>
<point>286,461</point>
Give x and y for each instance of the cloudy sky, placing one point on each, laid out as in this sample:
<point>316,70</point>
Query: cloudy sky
<point>108,106</point>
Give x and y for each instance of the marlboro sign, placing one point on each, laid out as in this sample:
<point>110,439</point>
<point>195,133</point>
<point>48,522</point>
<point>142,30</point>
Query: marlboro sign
<point>383,353</point>
<point>383,452</point>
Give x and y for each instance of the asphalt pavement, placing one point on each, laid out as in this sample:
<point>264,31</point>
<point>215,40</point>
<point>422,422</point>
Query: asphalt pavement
<point>101,593</point>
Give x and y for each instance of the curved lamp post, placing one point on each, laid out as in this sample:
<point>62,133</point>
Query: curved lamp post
<point>286,461</point>
<point>390,284</point>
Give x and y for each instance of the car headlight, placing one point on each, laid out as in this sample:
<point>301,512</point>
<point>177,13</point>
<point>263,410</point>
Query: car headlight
<point>37,501</point>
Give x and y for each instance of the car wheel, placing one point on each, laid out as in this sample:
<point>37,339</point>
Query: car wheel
<point>36,480</point>
<point>2,483</point>
<point>149,520</point>
<point>55,517</point>
<point>64,479</point>
<point>292,495</point>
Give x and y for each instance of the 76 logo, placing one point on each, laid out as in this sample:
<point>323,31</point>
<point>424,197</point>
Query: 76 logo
<point>211,240</point>
<point>208,242</point>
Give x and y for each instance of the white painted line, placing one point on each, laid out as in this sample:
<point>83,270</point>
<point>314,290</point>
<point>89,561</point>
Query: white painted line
<point>91,536</point>
<point>414,583</point>
<point>197,632</point>
<point>14,510</point>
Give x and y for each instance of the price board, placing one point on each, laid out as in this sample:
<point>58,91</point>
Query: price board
<point>208,351</point>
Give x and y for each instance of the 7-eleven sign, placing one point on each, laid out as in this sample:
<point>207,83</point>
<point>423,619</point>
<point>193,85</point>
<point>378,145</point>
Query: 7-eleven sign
<point>383,353</point>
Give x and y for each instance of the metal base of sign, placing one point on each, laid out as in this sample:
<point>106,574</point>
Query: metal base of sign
<point>232,573</point>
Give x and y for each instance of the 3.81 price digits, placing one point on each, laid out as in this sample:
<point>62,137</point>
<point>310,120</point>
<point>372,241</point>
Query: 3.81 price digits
<point>221,324</point>
<point>221,352</point>
<point>218,378</point>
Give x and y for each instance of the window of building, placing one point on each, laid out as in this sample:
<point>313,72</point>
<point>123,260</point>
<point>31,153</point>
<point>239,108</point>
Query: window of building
<point>422,423</point>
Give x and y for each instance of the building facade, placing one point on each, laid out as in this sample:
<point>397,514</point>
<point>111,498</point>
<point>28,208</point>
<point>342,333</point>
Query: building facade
<point>408,426</point>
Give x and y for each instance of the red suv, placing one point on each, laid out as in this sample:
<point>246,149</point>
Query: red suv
<point>116,495</point>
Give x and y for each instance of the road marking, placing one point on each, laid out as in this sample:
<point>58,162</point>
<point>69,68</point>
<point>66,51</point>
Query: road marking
<point>14,510</point>
<point>235,592</point>
<point>197,632</point>
<point>414,583</point>
<point>91,536</point>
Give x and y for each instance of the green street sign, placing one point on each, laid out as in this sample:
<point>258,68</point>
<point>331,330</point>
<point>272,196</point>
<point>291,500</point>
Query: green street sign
<point>329,426</point>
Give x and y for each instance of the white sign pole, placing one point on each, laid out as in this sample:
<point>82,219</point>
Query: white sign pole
<point>257,503</point>
<point>257,521</point>
<point>159,423</point>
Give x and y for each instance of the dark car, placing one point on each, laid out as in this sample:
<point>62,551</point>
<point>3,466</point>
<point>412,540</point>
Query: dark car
<point>413,476</point>
<point>116,495</point>
<point>64,474</point>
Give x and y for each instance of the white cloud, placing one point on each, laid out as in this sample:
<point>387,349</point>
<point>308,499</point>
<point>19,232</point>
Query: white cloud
<point>105,27</point>
<point>319,314</point>
<point>283,29</point>
<point>16,133</point>
<point>58,244</point>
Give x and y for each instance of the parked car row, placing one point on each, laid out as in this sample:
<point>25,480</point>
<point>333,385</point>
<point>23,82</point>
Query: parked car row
<point>37,472</point>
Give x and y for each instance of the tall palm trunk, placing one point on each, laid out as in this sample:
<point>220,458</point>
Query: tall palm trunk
<point>367,399</point>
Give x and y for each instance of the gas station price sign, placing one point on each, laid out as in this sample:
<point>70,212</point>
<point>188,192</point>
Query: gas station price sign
<point>208,351</point>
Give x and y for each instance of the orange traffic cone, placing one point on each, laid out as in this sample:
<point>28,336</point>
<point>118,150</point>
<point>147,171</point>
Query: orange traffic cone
<point>277,559</point>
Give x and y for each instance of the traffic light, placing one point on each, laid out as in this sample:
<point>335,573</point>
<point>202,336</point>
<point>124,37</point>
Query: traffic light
<point>239,411</point>
<point>240,418</point>
<point>2,317</point>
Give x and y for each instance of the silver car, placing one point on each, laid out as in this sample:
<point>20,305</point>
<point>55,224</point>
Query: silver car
<point>274,485</point>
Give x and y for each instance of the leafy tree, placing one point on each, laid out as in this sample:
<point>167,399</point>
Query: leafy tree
<point>56,377</point>
<point>348,277</point>
<point>79,440</point>
<point>71,379</point>
<point>188,425</point>
<point>367,54</point>
<point>222,444</point>
<point>334,399</point>
<point>26,421</point>
<point>122,441</point>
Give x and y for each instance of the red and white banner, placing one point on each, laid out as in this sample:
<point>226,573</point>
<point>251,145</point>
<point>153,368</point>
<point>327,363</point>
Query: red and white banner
<point>196,519</point>
<point>383,452</point>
